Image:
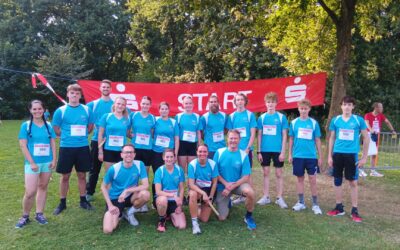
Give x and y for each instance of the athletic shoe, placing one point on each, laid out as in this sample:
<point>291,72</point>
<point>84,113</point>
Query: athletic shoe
<point>336,212</point>
<point>161,227</point>
<point>196,228</point>
<point>22,222</point>
<point>264,201</point>
<point>375,173</point>
<point>41,219</point>
<point>316,209</point>
<point>130,216</point>
<point>281,203</point>
<point>362,173</point>
<point>299,206</point>
<point>143,209</point>
<point>86,205</point>
<point>59,209</point>
<point>239,200</point>
<point>251,224</point>
<point>89,197</point>
<point>356,217</point>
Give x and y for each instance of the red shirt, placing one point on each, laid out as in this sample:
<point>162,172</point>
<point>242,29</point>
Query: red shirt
<point>375,122</point>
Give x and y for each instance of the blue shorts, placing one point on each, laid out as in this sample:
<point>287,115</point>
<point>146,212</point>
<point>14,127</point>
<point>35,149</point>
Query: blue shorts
<point>302,164</point>
<point>42,168</point>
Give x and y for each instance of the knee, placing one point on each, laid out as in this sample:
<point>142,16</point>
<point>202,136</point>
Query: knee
<point>353,184</point>
<point>107,230</point>
<point>162,201</point>
<point>222,218</point>
<point>266,172</point>
<point>278,174</point>
<point>144,195</point>
<point>65,177</point>
<point>30,194</point>
<point>249,192</point>
<point>81,176</point>
<point>192,196</point>
<point>338,181</point>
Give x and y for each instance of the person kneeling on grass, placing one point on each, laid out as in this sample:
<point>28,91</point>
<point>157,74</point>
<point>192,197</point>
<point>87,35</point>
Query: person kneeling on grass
<point>169,182</point>
<point>304,137</point>
<point>121,189</point>
<point>203,176</point>
<point>234,169</point>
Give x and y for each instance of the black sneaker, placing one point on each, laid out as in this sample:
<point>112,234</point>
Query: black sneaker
<point>22,222</point>
<point>59,209</point>
<point>86,205</point>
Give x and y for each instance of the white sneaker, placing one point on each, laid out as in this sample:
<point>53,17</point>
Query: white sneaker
<point>299,206</point>
<point>281,203</point>
<point>316,209</point>
<point>130,216</point>
<point>375,173</point>
<point>196,228</point>
<point>143,209</point>
<point>239,200</point>
<point>362,173</point>
<point>264,201</point>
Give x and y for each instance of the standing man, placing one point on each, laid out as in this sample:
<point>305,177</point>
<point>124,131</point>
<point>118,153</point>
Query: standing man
<point>99,107</point>
<point>73,122</point>
<point>213,125</point>
<point>374,121</point>
<point>121,189</point>
<point>245,122</point>
<point>272,137</point>
<point>344,144</point>
<point>234,169</point>
<point>304,143</point>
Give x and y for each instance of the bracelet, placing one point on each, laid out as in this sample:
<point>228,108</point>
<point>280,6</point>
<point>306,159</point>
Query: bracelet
<point>258,152</point>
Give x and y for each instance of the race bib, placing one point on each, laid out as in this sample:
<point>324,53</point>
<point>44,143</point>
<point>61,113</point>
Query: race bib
<point>269,129</point>
<point>218,136</point>
<point>305,133</point>
<point>375,126</point>
<point>201,183</point>
<point>78,130</point>
<point>175,192</point>
<point>142,139</point>
<point>162,141</point>
<point>189,136</point>
<point>242,131</point>
<point>41,150</point>
<point>115,141</point>
<point>346,134</point>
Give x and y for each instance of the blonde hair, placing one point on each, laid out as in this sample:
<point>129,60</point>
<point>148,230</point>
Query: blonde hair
<point>125,113</point>
<point>271,96</point>
<point>304,102</point>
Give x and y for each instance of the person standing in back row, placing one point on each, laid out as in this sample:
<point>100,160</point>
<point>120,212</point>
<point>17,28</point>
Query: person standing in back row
<point>99,107</point>
<point>374,121</point>
<point>73,122</point>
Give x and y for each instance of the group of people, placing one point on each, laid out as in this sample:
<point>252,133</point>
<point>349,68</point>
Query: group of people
<point>190,147</point>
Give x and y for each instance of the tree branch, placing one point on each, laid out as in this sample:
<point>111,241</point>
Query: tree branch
<point>331,14</point>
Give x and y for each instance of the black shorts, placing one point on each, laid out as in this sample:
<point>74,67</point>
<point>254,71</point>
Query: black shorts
<point>347,163</point>
<point>157,161</point>
<point>274,156</point>
<point>70,157</point>
<point>121,205</point>
<point>208,191</point>
<point>144,155</point>
<point>187,148</point>
<point>171,207</point>
<point>112,156</point>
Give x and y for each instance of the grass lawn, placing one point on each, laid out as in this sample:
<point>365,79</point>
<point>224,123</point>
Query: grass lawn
<point>276,228</point>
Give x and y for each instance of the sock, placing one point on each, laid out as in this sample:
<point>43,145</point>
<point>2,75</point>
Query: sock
<point>339,206</point>
<point>194,220</point>
<point>354,210</point>
<point>39,214</point>
<point>161,218</point>
<point>63,202</point>
<point>25,215</point>
<point>301,198</point>
<point>315,200</point>
<point>83,198</point>
<point>249,214</point>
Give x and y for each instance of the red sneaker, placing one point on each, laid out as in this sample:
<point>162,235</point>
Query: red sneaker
<point>356,217</point>
<point>335,212</point>
<point>161,227</point>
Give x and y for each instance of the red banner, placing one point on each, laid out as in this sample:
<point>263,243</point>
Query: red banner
<point>290,90</point>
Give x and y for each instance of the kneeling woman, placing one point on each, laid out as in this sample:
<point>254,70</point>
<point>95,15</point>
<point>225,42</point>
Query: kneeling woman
<point>36,139</point>
<point>169,184</point>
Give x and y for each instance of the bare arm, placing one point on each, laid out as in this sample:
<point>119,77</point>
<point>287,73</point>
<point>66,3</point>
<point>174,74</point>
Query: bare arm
<point>330,148</point>
<point>57,130</point>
